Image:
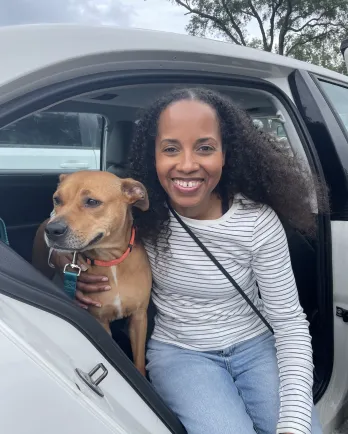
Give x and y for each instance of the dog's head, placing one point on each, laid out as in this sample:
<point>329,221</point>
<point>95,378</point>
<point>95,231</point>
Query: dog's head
<point>89,207</point>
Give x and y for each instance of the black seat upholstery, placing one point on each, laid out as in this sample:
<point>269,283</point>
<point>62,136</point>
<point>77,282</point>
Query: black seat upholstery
<point>303,254</point>
<point>120,139</point>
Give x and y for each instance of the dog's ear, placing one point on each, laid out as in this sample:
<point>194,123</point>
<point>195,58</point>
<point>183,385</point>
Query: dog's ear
<point>63,176</point>
<point>135,193</point>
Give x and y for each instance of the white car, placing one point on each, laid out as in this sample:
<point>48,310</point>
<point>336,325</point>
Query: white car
<point>69,98</point>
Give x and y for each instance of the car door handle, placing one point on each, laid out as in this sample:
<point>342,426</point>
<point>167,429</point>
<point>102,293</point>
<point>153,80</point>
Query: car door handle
<point>90,379</point>
<point>74,165</point>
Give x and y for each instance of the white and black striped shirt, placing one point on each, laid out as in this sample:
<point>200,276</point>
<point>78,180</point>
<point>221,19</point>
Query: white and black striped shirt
<point>199,309</point>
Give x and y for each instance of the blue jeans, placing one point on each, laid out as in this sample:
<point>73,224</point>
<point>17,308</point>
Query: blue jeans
<point>232,391</point>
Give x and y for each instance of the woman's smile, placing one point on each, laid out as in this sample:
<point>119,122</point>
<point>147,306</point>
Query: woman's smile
<point>187,186</point>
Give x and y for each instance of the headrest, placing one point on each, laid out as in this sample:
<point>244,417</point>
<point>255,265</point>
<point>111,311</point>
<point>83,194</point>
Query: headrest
<point>120,139</point>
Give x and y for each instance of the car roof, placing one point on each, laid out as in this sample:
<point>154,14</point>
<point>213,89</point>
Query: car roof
<point>29,48</point>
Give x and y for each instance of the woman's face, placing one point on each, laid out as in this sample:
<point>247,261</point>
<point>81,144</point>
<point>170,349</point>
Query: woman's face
<point>189,156</point>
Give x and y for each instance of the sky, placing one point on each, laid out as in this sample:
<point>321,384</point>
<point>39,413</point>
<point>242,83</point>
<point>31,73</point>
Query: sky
<point>147,14</point>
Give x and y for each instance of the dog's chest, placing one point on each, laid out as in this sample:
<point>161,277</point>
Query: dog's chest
<point>114,275</point>
<point>117,303</point>
<point>121,300</point>
<point>116,299</point>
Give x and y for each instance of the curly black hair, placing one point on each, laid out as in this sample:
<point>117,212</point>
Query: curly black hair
<point>257,165</point>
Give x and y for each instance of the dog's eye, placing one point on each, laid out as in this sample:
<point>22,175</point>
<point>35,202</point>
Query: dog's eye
<point>56,200</point>
<point>92,203</point>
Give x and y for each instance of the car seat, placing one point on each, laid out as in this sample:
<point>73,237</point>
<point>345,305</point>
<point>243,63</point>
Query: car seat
<point>119,142</point>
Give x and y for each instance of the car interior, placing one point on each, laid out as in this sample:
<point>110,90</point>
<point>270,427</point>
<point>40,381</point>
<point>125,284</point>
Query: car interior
<point>27,195</point>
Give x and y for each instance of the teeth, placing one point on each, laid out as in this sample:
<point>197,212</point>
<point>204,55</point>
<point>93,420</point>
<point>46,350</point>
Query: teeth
<point>187,184</point>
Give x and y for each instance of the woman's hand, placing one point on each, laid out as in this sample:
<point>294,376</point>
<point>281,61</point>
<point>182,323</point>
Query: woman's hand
<point>86,283</point>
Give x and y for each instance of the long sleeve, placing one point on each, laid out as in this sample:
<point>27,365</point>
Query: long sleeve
<point>272,268</point>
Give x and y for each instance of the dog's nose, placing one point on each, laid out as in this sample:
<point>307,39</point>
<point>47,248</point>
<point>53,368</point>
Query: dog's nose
<point>55,230</point>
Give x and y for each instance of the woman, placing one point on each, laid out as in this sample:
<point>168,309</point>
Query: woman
<point>210,357</point>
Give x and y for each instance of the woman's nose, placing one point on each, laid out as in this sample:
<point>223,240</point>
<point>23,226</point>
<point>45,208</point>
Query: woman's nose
<point>187,163</point>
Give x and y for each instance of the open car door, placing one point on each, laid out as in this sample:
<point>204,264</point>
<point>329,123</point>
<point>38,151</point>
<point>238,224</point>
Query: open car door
<point>61,373</point>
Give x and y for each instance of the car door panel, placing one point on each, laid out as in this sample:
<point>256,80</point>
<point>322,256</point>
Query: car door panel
<point>57,349</point>
<point>60,336</point>
<point>44,403</point>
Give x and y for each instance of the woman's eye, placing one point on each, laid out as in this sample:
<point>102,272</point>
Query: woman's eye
<point>57,201</point>
<point>92,203</point>
<point>170,150</point>
<point>206,148</point>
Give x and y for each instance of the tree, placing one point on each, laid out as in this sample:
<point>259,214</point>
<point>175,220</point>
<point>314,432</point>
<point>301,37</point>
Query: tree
<point>324,53</point>
<point>296,28</point>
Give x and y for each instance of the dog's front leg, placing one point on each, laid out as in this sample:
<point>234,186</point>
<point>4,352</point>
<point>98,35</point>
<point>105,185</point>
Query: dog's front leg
<point>137,334</point>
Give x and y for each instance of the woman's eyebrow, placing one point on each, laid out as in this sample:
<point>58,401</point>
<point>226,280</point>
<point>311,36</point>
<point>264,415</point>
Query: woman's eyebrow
<point>169,140</point>
<point>205,139</point>
<point>176,141</point>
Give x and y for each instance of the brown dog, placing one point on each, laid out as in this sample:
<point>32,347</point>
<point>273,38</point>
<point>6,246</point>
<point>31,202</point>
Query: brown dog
<point>92,215</point>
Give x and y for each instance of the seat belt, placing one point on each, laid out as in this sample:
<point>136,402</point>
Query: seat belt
<point>3,232</point>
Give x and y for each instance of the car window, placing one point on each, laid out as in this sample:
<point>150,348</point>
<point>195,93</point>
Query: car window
<point>53,141</point>
<point>338,96</point>
<point>51,129</point>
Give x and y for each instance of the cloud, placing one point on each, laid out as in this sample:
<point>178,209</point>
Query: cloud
<point>65,11</point>
<point>148,14</point>
<point>158,15</point>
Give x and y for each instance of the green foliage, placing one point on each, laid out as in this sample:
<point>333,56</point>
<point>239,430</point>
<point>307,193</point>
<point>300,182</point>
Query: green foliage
<point>309,30</point>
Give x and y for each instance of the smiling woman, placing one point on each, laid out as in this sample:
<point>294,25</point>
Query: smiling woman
<point>213,176</point>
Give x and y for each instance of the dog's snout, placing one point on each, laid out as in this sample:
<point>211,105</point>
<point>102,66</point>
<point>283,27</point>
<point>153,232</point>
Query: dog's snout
<point>56,229</point>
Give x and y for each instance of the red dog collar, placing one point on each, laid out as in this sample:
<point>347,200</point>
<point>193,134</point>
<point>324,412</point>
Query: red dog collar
<point>114,261</point>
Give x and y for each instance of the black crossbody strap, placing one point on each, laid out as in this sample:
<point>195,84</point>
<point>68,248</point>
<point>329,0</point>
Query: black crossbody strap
<point>221,268</point>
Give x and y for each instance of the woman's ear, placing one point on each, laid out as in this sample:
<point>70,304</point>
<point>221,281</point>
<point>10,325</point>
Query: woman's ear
<point>135,193</point>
